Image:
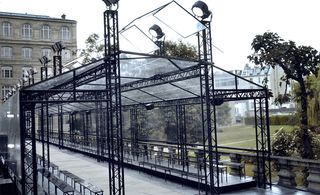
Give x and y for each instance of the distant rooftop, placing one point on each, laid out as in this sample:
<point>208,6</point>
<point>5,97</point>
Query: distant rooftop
<point>31,16</point>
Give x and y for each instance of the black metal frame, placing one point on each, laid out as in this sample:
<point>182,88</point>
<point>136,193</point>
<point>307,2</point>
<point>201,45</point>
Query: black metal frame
<point>113,92</point>
<point>107,109</point>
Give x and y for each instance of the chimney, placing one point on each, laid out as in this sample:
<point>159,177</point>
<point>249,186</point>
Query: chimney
<point>63,16</point>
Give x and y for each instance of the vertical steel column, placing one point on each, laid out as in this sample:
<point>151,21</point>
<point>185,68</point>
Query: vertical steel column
<point>134,130</point>
<point>98,127</point>
<point>113,100</point>
<point>28,150</point>
<point>47,156</point>
<point>88,128</point>
<point>57,63</point>
<point>208,109</point>
<point>262,142</point>
<point>44,120</point>
<point>60,126</point>
<point>182,135</point>
<point>70,127</point>
<point>83,128</point>
<point>103,134</point>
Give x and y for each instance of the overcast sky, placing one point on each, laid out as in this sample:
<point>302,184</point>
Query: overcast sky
<point>234,23</point>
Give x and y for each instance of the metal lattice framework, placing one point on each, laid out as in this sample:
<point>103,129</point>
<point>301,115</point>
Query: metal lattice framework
<point>28,151</point>
<point>182,135</point>
<point>113,115</point>
<point>100,89</point>
<point>262,143</point>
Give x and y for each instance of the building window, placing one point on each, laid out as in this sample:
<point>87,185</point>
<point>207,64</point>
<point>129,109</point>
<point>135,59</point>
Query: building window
<point>66,54</point>
<point>27,53</point>
<point>45,32</point>
<point>6,72</point>
<point>6,52</point>
<point>26,31</point>
<point>5,90</point>
<point>46,52</point>
<point>6,29</point>
<point>65,33</point>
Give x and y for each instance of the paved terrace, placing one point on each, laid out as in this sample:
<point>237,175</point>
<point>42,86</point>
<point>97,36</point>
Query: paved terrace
<point>135,183</point>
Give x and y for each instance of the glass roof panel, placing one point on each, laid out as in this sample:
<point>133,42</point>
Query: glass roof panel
<point>145,68</point>
<point>192,85</point>
<point>227,80</point>
<point>134,39</point>
<point>168,14</point>
<point>63,78</point>
<point>183,63</point>
<point>168,92</point>
<point>140,96</point>
<point>175,22</point>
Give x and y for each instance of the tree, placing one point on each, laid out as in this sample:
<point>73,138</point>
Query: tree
<point>93,50</point>
<point>313,84</point>
<point>223,114</point>
<point>180,49</point>
<point>297,62</point>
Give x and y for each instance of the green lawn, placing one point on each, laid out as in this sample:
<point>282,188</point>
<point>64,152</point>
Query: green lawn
<point>243,136</point>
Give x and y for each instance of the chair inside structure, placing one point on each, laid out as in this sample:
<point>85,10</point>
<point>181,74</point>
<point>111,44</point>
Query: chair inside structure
<point>101,109</point>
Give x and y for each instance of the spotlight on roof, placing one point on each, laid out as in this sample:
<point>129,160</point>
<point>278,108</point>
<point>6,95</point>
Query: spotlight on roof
<point>44,60</point>
<point>110,2</point>
<point>217,101</point>
<point>201,10</point>
<point>57,47</point>
<point>149,106</point>
<point>156,31</point>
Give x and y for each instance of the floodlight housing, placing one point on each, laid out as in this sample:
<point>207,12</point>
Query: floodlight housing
<point>110,2</point>
<point>217,101</point>
<point>156,31</point>
<point>44,60</point>
<point>149,106</point>
<point>57,47</point>
<point>201,10</point>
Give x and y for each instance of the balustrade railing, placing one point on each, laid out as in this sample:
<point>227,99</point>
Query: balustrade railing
<point>287,171</point>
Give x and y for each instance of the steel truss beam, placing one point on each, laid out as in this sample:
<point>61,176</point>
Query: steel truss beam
<point>93,74</point>
<point>113,97</point>
<point>208,110</point>
<point>28,150</point>
<point>226,95</point>
<point>263,175</point>
<point>62,96</point>
<point>160,79</point>
<point>182,135</point>
<point>134,128</point>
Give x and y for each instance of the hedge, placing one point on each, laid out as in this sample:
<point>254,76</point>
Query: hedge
<point>275,120</point>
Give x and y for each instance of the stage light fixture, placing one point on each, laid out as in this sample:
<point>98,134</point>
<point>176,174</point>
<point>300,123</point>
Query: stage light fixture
<point>57,47</point>
<point>217,101</point>
<point>44,60</point>
<point>149,106</point>
<point>110,2</point>
<point>201,10</point>
<point>156,31</point>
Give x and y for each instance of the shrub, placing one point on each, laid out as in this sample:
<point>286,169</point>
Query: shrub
<point>283,143</point>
